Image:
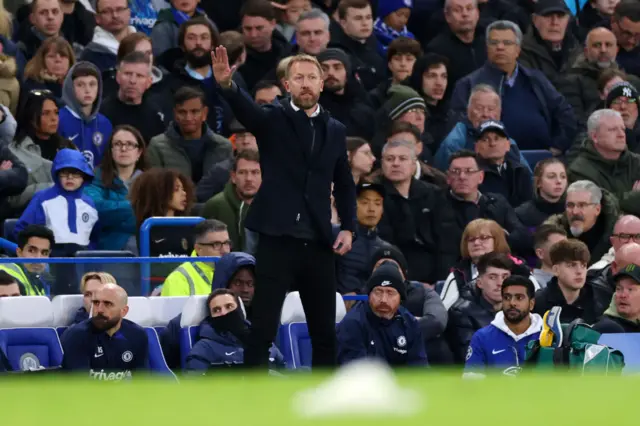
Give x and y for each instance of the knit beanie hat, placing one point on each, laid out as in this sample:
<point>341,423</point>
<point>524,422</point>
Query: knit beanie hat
<point>387,275</point>
<point>388,251</point>
<point>387,7</point>
<point>402,99</point>
<point>625,89</point>
<point>337,55</point>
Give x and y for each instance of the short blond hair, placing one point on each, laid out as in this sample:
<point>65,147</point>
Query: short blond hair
<point>103,277</point>
<point>301,57</point>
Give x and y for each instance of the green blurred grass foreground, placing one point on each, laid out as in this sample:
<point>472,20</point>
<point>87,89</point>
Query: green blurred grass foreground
<point>257,400</point>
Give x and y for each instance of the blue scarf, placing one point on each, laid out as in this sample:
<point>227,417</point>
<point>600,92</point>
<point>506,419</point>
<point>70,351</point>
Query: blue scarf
<point>386,35</point>
<point>181,17</point>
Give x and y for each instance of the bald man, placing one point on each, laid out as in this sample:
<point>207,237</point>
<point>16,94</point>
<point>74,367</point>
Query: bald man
<point>107,346</point>
<point>626,230</point>
<point>581,84</point>
<point>625,254</point>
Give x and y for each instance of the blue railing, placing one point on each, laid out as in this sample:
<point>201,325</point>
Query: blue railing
<point>145,244</point>
<point>8,246</point>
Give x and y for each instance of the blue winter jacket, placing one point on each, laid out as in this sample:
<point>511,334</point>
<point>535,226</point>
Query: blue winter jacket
<point>213,349</point>
<point>229,265</point>
<point>354,268</point>
<point>71,215</point>
<point>362,334</point>
<point>497,347</point>
<point>89,133</point>
<point>554,107</point>
<point>117,222</point>
<point>463,136</point>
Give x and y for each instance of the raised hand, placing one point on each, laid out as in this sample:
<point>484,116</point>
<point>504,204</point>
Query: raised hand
<point>220,65</point>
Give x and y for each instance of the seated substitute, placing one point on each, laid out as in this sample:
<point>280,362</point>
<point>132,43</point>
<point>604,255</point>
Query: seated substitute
<point>382,328</point>
<point>223,334</point>
<point>501,345</point>
<point>107,346</point>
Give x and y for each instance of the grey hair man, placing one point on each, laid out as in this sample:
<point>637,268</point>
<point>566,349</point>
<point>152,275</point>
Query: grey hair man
<point>605,159</point>
<point>537,116</point>
<point>312,32</point>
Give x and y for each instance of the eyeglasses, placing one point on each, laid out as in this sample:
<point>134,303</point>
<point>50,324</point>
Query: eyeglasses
<point>481,238</point>
<point>625,238</point>
<point>114,12</point>
<point>580,206</point>
<point>217,245</point>
<point>125,146</point>
<point>70,174</point>
<point>459,172</point>
<point>41,92</point>
<point>620,101</point>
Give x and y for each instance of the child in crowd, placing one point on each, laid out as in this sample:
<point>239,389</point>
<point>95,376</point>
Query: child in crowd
<point>63,208</point>
<point>391,23</point>
<point>80,120</point>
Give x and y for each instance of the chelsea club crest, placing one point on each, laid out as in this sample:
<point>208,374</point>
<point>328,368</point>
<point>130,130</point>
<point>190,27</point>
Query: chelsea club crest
<point>98,138</point>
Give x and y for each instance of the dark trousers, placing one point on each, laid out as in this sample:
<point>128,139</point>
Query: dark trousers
<point>288,264</point>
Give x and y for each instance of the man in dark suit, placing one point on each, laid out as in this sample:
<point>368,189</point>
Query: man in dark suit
<point>302,151</point>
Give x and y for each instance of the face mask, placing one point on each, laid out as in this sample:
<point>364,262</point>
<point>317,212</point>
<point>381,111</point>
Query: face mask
<point>232,322</point>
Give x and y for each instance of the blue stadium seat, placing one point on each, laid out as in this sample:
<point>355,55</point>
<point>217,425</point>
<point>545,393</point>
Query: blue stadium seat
<point>7,229</point>
<point>64,308</point>
<point>533,156</point>
<point>294,340</point>
<point>193,312</point>
<point>629,345</point>
<point>126,274</point>
<point>164,309</point>
<point>26,335</point>
<point>141,313</point>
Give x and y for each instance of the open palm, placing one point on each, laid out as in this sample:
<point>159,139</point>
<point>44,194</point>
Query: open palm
<point>220,65</point>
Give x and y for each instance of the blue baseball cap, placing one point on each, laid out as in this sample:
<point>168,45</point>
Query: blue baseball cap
<point>492,126</point>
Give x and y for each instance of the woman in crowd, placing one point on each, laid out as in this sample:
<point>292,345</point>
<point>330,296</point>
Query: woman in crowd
<point>550,183</point>
<point>9,86</point>
<point>163,193</point>
<point>89,284</point>
<point>48,68</point>
<point>361,158</point>
<point>123,161</point>
<point>223,335</point>
<point>481,236</point>
<point>36,143</point>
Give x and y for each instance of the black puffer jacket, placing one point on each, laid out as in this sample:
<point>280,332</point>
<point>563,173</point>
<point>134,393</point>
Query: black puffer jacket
<point>602,280</point>
<point>489,206</point>
<point>259,64</point>
<point>468,315</point>
<point>354,268</point>
<point>537,55</point>
<point>415,225</point>
<point>589,306</point>
<point>351,109</point>
<point>514,183</point>
<point>535,211</point>
<point>366,62</point>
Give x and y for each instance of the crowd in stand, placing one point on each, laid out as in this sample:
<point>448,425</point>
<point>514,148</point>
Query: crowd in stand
<point>107,120</point>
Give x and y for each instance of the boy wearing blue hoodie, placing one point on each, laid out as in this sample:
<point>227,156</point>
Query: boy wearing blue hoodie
<point>80,121</point>
<point>64,208</point>
<point>391,23</point>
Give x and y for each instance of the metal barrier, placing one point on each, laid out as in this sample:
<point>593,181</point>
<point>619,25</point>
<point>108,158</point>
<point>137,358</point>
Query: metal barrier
<point>145,244</point>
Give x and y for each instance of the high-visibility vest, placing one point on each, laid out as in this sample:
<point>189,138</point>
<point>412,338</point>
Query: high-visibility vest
<point>18,273</point>
<point>198,276</point>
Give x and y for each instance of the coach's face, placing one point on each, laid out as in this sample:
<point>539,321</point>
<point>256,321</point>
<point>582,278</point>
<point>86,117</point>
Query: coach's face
<point>305,84</point>
<point>109,307</point>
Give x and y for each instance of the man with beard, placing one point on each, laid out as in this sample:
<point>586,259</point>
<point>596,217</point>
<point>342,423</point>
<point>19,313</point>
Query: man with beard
<point>112,17</point>
<point>343,96</point>
<point>129,106</point>
<point>590,216</point>
<point>382,328</point>
<point>232,205</point>
<point>605,159</point>
<point>501,345</point>
<point>581,84</point>
<point>196,38</point>
<point>108,346</point>
<point>292,210</point>
<point>625,24</point>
